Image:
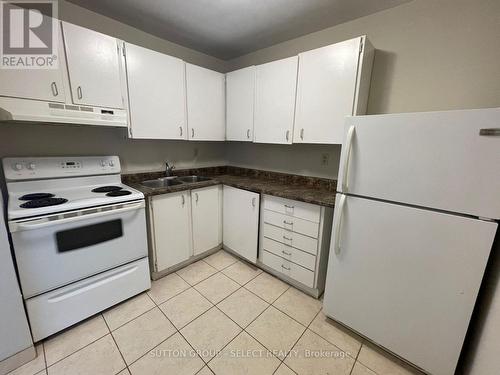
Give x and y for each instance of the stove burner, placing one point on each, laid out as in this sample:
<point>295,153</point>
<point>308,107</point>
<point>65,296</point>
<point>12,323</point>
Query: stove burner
<point>44,202</point>
<point>33,196</point>
<point>118,193</point>
<point>106,189</point>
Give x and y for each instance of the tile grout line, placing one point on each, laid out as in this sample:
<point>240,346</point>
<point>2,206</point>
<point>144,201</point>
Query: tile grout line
<point>117,347</point>
<point>83,347</point>
<point>244,330</point>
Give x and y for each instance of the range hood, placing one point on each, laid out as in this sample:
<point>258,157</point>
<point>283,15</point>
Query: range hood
<point>26,110</point>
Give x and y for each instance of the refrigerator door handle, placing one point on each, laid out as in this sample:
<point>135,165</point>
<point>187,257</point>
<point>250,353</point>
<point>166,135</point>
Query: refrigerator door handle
<point>348,144</point>
<point>337,224</point>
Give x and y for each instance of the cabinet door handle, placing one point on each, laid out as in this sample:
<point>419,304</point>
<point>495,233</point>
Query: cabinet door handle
<point>284,252</point>
<point>491,131</point>
<point>248,133</point>
<point>287,238</point>
<point>253,202</point>
<point>283,266</point>
<point>196,197</point>
<point>287,135</point>
<point>302,133</point>
<point>287,222</point>
<point>183,200</point>
<point>79,92</point>
<point>53,87</point>
<point>180,128</point>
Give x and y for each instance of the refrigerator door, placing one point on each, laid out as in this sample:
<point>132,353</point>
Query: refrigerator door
<point>406,278</point>
<point>434,159</point>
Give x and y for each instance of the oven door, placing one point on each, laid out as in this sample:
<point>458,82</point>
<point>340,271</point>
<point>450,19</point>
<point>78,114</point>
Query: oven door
<point>55,250</point>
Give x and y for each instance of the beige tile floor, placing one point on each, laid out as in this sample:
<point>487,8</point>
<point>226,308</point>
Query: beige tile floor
<point>217,316</point>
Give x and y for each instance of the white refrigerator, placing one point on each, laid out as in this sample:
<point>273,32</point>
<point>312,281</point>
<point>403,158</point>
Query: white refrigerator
<point>415,217</point>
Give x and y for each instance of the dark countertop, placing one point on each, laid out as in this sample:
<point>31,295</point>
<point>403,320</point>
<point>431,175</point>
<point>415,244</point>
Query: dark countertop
<point>305,189</point>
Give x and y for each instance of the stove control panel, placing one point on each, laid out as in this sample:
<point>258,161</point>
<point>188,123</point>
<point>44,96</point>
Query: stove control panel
<point>57,167</point>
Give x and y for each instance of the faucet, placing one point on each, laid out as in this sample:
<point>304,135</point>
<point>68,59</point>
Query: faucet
<point>168,169</point>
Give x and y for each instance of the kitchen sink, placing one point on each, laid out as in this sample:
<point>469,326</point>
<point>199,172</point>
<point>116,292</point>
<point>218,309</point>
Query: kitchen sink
<point>188,179</point>
<point>161,183</point>
<point>173,181</point>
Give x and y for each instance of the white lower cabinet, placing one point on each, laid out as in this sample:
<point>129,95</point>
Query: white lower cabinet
<point>170,229</point>
<point>183,225</point>
<point>241,222</point>
<point>206,218</point>
<point>295,241</point>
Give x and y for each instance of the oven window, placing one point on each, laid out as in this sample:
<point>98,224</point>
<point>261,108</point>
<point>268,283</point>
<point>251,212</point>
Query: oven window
<point>88,235</point>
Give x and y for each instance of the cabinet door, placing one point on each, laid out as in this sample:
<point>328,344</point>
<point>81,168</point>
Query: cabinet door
<point>93,67</point>
<point>157,97</point>
<point>240,92</point>
<point>326,90</point>
<point>171,229</point>
<point>275,87</point>
<point>37,84</point>
<point>240,218</point>
<point>206,214</point>
<point>206,104</point>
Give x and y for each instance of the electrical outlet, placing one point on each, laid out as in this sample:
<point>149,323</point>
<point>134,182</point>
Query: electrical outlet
<point>325,158</point>
<point>196,152</point>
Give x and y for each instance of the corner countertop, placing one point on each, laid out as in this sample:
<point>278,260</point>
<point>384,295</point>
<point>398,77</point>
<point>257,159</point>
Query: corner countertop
<point>300,188</point>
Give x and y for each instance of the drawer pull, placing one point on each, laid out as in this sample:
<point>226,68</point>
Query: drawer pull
<point>290,207</point>
<point>287,238</point>
<point>283,266</point>
<point>284,252</point>
<point>287,222</point>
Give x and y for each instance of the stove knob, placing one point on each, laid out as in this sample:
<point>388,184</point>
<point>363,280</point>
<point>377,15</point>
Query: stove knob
<point>17,166</point>
<point>111,163</point>
<point>103,163</point>
<point>31,166</point>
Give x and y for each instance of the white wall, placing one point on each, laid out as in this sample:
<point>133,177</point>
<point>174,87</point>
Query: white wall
<point>135,155</point>
<point>430,55</point>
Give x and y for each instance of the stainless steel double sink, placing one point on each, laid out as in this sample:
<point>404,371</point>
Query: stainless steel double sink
<point>173,181</point>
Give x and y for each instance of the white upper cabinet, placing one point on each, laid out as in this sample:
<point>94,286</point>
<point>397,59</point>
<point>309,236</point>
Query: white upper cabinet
<point>333,82</point>
<point>240,94</point>
<point>156,94</point>
<point>94,67</point>
<point>275,88</point>
<point>206,104</point>
<point>206,217</point>
<point>37,84</point>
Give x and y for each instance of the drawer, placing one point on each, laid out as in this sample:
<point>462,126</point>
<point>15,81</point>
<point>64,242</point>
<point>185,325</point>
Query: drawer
<point>292,223</point>
<point>287,237</point>
<point>288,268</point>
<point>289,253</point>
<point>53,311</point>
<point>289,207</point>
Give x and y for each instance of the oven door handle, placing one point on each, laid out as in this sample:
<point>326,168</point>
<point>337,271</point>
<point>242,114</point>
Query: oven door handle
<point>29,225</point>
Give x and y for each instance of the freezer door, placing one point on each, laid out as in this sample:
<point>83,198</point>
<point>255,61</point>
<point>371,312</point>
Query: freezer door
<point>406,278</point>
<point>434,159</point>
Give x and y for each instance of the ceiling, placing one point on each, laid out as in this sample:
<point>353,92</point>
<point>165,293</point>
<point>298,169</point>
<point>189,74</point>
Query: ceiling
<point>230,28</point>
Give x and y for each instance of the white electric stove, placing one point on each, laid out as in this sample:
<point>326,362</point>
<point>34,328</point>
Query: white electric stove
<point>79,237</point>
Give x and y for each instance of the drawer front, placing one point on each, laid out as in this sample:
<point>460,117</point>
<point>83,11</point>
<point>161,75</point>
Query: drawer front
<point>53,311</point>
<point>288,268</point>
<point>292,223</point>
<point>287,237</point>
<point>289,207</point>
<point>287,252</point>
